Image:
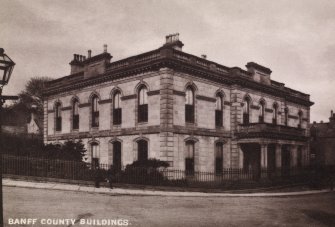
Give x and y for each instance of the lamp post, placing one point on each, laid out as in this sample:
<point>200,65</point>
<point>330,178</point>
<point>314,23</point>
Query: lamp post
<point>6,69</point>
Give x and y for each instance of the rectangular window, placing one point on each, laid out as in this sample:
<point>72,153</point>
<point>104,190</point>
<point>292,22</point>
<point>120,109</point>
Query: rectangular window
<point>117,116</point>
<point>75,122</point>
<point>245,118</point>
<point>143,113</point>
<point>219,158</point>
<point>58,123</point>
<point>189,159</point>
<point>218,118</point>
<point>189,113</point>
<point>95,119</point>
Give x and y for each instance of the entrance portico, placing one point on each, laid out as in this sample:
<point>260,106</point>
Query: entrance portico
<point>272,155</point>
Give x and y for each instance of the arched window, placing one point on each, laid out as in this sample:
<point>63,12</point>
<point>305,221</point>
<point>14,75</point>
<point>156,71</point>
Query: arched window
<point>95,154</point>
<point>219,111</point>
<point>219,158</point>
<point>117,110</point>
<point>75,115</point>
<point>300,114</point>
<point>142,150</point>
<point>189,105</point>
<point>246,110</point>
<point>117,164</point>
<point>275,114</point>
<point>261,111</point>
<point>58,116</point>
<point>143,104</point>
<point>95,111</point>
<point>286,116</point>
<point>189,158</point>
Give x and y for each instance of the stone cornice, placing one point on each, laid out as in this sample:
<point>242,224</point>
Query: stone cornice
<point>270,135</point>
<point>178,61</point>
<point>144,130</point>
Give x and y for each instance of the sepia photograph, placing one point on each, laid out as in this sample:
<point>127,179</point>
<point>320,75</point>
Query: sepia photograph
<point>159,113</point>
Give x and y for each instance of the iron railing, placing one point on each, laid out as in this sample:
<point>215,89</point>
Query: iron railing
<point>26,166</point>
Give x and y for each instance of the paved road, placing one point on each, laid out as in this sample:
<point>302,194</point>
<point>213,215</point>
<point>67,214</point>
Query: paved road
<point>53,205</point>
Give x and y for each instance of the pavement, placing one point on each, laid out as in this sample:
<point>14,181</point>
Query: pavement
<point>138,192</point>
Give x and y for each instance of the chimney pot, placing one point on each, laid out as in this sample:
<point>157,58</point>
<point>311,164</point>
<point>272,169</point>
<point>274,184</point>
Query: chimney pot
<point>105,48</point>
<point>204,56</point>
<point>89,54</point>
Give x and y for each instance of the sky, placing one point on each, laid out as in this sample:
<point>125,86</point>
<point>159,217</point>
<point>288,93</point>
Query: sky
<point>294,38</point>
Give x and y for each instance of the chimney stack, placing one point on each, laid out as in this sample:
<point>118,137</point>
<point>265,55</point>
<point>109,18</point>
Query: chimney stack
<point>173,41</point>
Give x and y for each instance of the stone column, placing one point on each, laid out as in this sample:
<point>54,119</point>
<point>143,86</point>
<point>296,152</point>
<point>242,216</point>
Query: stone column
<point>264,155</point>
<point>278,155</point>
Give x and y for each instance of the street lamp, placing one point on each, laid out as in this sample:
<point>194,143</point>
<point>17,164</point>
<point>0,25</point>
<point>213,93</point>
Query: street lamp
<point>6,69</point>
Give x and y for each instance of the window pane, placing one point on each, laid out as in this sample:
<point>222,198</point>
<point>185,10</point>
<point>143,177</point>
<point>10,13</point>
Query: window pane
<point>189,96</point>
<point>246,107</point>
<point>189,150</point>
<point>117,101</point>
<point>58,110</point>
<point>219,150</point>
<point>75,108</point>
<point>143,99</point>
<point>95,150</point>
<point>218,104</point>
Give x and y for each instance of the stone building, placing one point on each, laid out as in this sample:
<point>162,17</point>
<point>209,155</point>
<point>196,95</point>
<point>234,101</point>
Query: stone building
<point>323,142</point>
<point>167,104</point>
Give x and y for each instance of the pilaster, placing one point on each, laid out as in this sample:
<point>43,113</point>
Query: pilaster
<point>166,115</point>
